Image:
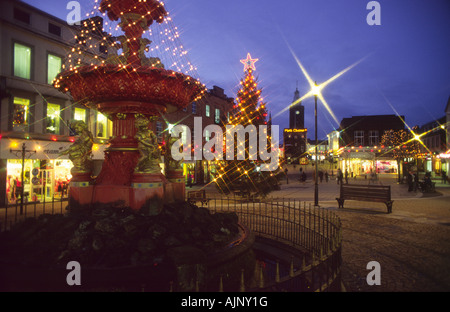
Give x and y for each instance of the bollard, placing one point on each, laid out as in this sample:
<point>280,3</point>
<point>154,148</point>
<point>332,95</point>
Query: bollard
<point>242,286</point>
<point>277,272</point>
<point>221,284</point>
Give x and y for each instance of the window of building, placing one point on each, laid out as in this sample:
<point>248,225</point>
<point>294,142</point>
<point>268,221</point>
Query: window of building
<point>101,125</point>
<point>359,137</point>
<point>53,118</point>
<point>81,40</point>
<point>194,108</point>
<point>103,48</point>
<point>79,114</point>
<point>21,114</point>
<point>207,111</point>
<point>159,129</point>
<point>54,64</point>
<point>54,29</point>
<point>22,61</point>
<point>373,137</point>
<point>217,116</point>
<point>21,15</point>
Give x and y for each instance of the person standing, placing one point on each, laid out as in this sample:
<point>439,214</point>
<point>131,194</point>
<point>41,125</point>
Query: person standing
<point>444,177</point>
<point>346,176</point>
<point>339,176</point>
<point>326,176</point>
<point>410,181</point>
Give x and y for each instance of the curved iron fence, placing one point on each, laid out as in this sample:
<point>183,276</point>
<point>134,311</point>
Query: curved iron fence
<point>312,235</point>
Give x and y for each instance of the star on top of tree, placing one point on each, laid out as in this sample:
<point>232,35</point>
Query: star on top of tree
<point>249,63</point>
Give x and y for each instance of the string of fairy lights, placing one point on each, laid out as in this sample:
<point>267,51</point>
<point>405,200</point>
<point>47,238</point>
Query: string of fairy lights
<point>98,40</point>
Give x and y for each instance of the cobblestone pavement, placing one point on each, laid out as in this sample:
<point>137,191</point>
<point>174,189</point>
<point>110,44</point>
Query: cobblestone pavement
<point>412,245</point>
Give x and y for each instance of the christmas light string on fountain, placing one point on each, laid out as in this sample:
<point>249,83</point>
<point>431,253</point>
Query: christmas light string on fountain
<point>164,38</point>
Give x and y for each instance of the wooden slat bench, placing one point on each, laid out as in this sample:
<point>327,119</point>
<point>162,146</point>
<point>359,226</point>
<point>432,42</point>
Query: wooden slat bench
<point>198,196</point>
<point>372,193</point>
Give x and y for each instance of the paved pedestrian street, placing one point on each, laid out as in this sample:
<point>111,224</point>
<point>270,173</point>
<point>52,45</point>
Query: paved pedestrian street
<point>412,245</point>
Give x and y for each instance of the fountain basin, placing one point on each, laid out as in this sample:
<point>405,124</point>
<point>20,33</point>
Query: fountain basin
<point>114,89</point>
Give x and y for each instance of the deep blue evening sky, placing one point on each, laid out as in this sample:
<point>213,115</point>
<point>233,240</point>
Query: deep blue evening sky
<point>406,59</point>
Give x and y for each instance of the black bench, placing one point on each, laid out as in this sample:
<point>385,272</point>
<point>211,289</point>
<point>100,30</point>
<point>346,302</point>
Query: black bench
<point>198,196</point>
<point>372,193</point>
<point>245,194</point>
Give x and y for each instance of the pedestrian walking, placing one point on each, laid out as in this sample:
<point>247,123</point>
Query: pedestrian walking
<point>409,178</point>
<point>326,176</point>
<point>286,173</point>
<point>444,177</point>
<point>346,176</point>
<point>415,182</point>
<point>339,176</point>
<point>190,180</point>
<point>321,176</point>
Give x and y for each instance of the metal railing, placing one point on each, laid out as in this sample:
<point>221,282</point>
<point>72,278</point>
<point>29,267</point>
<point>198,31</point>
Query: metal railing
<point>14,213</point>
<point>313,235</point>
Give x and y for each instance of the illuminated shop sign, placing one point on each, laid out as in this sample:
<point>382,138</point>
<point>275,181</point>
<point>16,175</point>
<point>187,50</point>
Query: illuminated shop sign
<point>295,130</point>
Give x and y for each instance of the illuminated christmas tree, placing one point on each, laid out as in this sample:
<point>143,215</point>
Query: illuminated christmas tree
<point>244,173</point>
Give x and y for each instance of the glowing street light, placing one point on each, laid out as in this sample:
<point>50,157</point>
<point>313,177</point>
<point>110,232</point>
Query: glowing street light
<point>316,91</point>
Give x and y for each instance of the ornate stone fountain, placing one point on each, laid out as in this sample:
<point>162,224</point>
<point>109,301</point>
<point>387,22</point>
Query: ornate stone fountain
<point>130,89</point>
<point>119,246</point>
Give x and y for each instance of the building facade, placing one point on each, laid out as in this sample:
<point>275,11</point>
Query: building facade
<point>214,108</point>
<point>360,151</point>
<point>35,117</point>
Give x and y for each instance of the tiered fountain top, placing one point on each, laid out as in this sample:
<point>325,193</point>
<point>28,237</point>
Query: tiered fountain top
<point>149,9</point>
<point>146,86</point>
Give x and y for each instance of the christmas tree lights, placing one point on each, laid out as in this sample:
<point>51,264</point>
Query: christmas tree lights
<point>244,174</point>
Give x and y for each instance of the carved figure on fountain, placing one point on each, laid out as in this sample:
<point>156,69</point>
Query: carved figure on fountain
<point>148,148</point>
<point>80,152</point>
<point>170,163</point>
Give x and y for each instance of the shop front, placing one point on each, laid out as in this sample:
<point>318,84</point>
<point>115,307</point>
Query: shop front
<point>366,162</point>
<point>46,175</point>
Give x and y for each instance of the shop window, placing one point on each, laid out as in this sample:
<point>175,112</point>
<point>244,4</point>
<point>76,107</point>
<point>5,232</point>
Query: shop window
<point>217,116</point>
<point>102,126</point>
<point>207,111</point>
<point>54,64</point>
<point>21,114</point>
<point>22,61</point>
<point>53,118</point>
<point>359,137</point>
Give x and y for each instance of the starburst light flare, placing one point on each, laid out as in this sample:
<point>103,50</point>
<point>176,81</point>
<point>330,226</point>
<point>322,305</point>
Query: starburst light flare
<point>316,90</point>
<point>415,136</point>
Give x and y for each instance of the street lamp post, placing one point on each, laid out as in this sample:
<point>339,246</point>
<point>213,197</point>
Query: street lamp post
<point>316,186</point>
